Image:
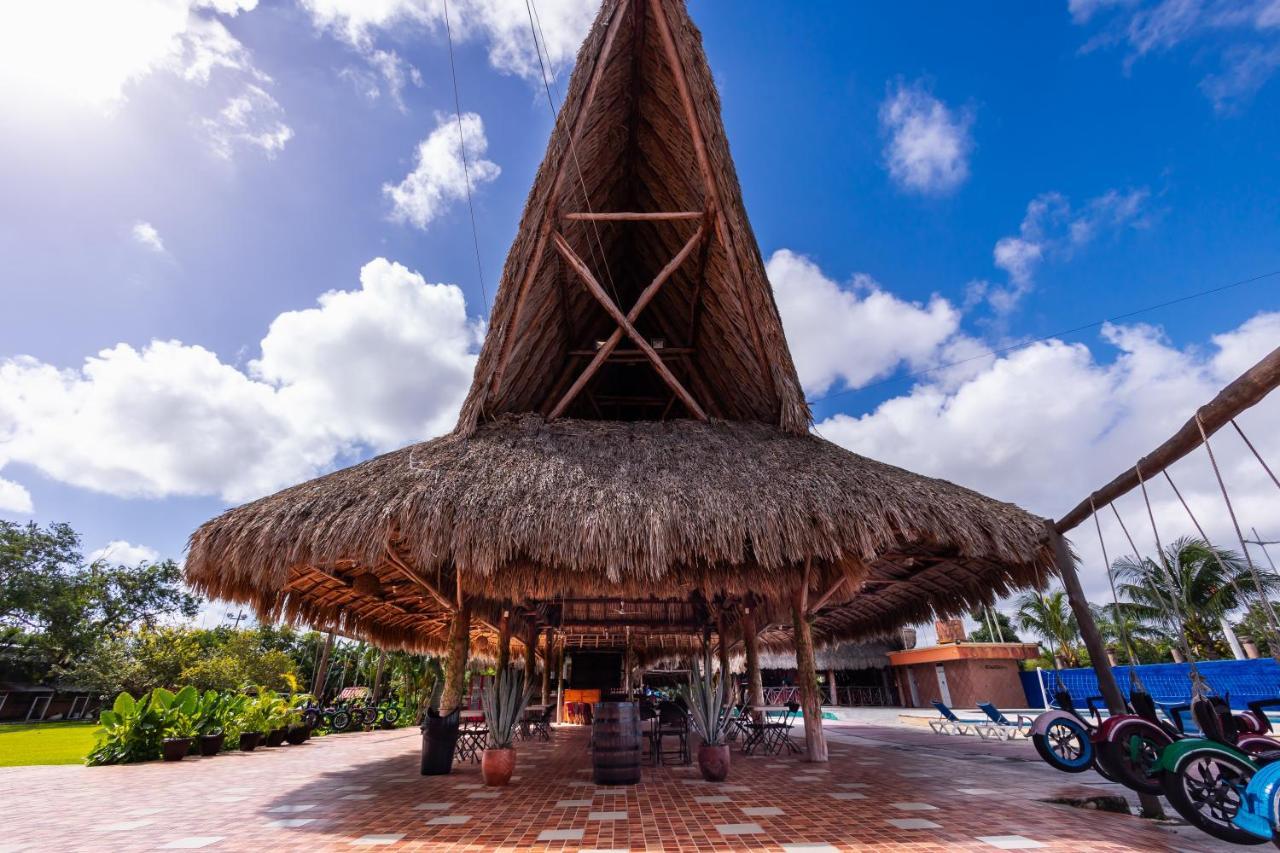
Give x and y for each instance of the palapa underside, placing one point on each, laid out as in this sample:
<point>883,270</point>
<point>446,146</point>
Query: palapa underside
<point>635,435</point>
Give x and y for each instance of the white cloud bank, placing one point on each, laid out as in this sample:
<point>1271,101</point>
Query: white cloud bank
<point>503,25</point>
<point>927,143</point>
<point>14,498</point>
<point>372,368</point>
<point>856,334</point>
<point>438,178</point>
<point>122,553</point>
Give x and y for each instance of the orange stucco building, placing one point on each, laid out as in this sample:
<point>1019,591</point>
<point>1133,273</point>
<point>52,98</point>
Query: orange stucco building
<point>962,674</point>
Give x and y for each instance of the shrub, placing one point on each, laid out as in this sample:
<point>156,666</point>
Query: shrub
<point>131,731</point>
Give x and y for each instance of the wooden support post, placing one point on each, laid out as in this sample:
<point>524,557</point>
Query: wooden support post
<point>751,644</point>
<point>806,671</point>
<point>726,681</point>
<point>560,684</point>
<point>548,659</point>
<point>455,666</point>
<point>377,678</point>
<point>831,680</point>
<point>321,675</point>
<point>504,642</point>
<point>1093,642</point>
<point>530,654</point>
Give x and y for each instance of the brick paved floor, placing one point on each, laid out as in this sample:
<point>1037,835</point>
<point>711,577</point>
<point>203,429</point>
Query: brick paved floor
<point>884,789</point>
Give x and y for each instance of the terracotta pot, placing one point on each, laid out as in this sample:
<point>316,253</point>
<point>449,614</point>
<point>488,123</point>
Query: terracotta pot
<point>175,748</point>
<point>713,761</point>
<point>211,744</point>
<point>497,765</point>
<point>276,737</point>
<point>249,741</point>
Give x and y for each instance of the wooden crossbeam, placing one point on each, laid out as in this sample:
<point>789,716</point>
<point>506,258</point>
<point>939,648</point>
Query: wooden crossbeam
<point>621,216</point>
<point>826,596</point>
<point>625,325</point>
<point>408,571</point>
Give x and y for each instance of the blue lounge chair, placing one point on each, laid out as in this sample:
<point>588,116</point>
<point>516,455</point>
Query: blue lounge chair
<point>948,723</point>
<point>999,727</point>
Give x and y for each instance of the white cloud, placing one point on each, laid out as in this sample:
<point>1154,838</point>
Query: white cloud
<point>146,235</point>
<point>387,69</point>
<point>252,118</point>
<point>502,24</point>
<point>14,498</point>
<point>1244,35</point>
<point>856,334</point>
<point>1052,228</point>
<point>1046,425</point>
<point>372,368</point>
<point>122,553</point>
<point>927,143</point>
<point>438,178</point>
<point>89,51</point>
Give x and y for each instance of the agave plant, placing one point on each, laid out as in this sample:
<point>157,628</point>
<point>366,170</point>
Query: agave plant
<point>706,704</point>
<point>504,701</point>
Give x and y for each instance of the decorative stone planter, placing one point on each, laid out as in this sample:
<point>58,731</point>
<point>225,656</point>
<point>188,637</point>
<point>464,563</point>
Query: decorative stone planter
<point>176,748</point>
<point>713,762</point>
<point>497,765</point>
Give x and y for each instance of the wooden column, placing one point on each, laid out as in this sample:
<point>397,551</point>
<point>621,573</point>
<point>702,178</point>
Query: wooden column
<point>560,684</point>
<point>1093,642</point>
<point>806,670</point>
<point>530,654</point>
<point>455,665</point>
<point>377,678</point>
<point>751,643</point>
<point>726,681</point>
<point>548,658</point>
<point>321,675</point>
<point>831,680</point>
<point>504,642</point>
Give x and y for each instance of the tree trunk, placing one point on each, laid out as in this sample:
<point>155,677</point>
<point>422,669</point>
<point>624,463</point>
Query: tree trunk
<point>831,681</point>
<point>455,667</point>
<point>377,678</point>
<point>530,654</point>
<point>806,671</point>
<point>1093,642</point>
<point>504,643</point>
<point>560,684</point>
<point>321,675</point>
<point>726,682</point>
<point>751,643</point>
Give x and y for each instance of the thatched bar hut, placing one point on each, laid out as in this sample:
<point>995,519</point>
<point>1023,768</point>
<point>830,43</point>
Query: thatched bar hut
<point>634,461</point>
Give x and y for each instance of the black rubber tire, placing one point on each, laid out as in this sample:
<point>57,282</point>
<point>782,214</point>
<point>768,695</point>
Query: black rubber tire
<point>1186,791</point>
<point>1065,746</point>
<point>1115,761</point>
<point>390,715</point>
<point>341,721</point>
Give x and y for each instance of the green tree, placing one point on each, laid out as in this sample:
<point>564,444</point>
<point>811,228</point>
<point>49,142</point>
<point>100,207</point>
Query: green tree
<point>1049,615</point>
<point>54,603</point>
<point>1193,580</point>
<point>1125,629</point>
<point>1005,632</point>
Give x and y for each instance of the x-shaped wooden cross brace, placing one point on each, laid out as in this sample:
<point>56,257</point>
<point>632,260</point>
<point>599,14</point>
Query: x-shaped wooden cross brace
<point>625,324</point>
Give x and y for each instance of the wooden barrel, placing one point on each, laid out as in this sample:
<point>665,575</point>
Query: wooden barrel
<point>615,743</point>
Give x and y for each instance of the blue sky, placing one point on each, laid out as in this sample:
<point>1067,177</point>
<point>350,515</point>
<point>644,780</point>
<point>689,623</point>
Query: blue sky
<point>928,181</point>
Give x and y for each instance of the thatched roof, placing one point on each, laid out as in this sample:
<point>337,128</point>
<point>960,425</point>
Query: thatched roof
<point>840,656</point>
<point>680,472</point>
<point>633,150</point>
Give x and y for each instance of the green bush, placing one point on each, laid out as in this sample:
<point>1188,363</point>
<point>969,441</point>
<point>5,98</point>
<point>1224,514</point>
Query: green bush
<point>131,731</point>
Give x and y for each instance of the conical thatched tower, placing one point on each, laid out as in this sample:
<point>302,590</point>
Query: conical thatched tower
<point>633,465</point>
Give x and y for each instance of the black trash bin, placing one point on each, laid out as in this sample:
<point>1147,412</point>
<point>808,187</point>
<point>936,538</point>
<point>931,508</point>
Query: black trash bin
<point>439,737</point>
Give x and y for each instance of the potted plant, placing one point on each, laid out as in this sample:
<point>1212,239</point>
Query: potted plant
<point>504,700</point>
<point>178,713</point>
<point>257,712</point>
<point>210,726</point>
<point>707,714</point>
<point>297,730</point>
<point>130,732</point>
<point>439,733</point>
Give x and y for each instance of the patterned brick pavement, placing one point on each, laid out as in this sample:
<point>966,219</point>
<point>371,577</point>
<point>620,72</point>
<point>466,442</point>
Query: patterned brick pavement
<point>885,789</point>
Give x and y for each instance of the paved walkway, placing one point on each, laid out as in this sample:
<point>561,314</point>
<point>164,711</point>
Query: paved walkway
<point>885,789</point>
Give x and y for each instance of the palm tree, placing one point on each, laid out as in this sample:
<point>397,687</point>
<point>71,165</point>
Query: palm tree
<point>1050,616</point>
<point>1205,584</point>
<point>1124,627</point>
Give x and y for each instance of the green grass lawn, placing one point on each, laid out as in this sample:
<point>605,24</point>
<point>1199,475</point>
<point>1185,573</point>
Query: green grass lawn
<point>45,743</point>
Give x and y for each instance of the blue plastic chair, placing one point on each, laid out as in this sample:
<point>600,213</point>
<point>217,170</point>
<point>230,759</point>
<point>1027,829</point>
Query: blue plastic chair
<point>947,722</point>
<point>1000,727</point>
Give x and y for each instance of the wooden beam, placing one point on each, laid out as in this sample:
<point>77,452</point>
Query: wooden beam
<point>723,231</point>
<point>616,216</point>
<point>633,355</point>
<point>751,647</point>
<point>806,669</point>
<point>826,596</point>
<point>603,353</point>
<point>1246,391</point>
<point>549,206</point>
<point>405,569</point>
<point>584,273</point>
